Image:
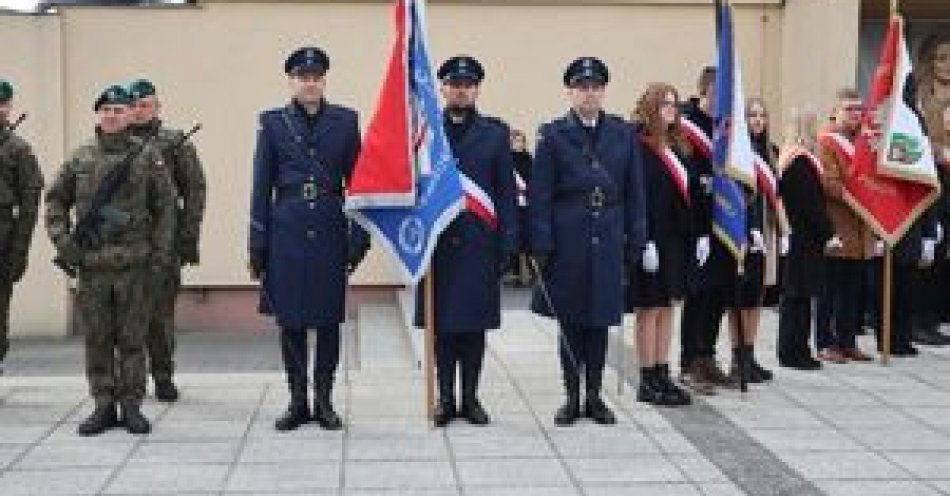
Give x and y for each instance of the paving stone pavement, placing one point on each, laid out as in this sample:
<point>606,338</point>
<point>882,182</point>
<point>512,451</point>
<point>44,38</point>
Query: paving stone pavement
<point>859,429</point>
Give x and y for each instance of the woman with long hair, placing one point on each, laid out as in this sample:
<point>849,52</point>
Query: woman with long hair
<point>767,230</point>
<point>659,280</point>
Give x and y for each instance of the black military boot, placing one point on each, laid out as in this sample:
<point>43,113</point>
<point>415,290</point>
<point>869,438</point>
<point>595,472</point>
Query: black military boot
<point>165,391</point>
<point>472,409</point>
<point>298,413</point>
<point>102,419</point>
<point>323,412</point>
<point>133,420</point>
<point>445,376</point>
<point>594,407</point>
<point>570,411</point>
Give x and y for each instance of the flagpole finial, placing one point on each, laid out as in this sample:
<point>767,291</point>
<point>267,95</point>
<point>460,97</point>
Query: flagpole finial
<point>894,7</point>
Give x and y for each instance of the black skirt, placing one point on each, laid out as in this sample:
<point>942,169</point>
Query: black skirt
<point>666,285</point>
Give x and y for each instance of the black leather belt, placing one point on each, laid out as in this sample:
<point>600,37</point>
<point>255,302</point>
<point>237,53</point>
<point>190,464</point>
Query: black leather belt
<point>594,198</point>
<point>308,191</point>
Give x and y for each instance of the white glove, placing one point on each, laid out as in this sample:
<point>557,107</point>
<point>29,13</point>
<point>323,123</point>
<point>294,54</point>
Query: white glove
<point>756,241</point>
<point>879,249</point>
<point>783,245</point>
<point>702,250</point>
<point>651,258</point>
<point>834,244</point>
<point>928,250</point>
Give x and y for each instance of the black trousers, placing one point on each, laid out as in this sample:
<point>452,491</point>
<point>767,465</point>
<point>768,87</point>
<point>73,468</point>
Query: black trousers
<point>846,281</point>
<point>700,324</point>
<point>583,348</point>
<point>293,347</point>
<point>461,353</point>
<point>903,298</point>
<point>794,328</point>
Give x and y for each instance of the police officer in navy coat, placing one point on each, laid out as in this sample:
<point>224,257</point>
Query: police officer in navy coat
<point>587,218</point>
<point>474,251</point>
<point>301,244</point>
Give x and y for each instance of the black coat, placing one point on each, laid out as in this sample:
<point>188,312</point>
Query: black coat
<point>804,266</point>
<point>669,227</point>
<point>719,273</point>
<point>587,244</point>
<point>469,254</point>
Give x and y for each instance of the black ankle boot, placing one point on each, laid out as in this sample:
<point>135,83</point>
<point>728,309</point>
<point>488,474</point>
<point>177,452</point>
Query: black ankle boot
<point>673,395</point>
<point>649,391</point>
<point>757,369</point>
<point>133,420</point>
<point>102,419</point>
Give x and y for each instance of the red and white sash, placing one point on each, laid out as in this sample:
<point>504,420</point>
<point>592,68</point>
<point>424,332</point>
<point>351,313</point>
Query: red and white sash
<point>674,166</point>
<point>838,143</point>
<point>766,181</point>
<point>697,137</point>
<point>479,203</point>
<point>814,162</point>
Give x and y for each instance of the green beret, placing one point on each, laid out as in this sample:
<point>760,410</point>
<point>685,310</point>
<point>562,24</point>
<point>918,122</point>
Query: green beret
<point>141,88</point>
<point>6,91</point>
<point>113,95</point>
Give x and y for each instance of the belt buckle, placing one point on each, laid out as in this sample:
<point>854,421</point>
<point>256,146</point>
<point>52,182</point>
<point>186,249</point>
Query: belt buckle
<point>309,191</point>
<point>597,198</point>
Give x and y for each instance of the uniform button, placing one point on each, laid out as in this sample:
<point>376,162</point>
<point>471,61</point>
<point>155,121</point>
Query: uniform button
<point>312,152</point>
<point>311,178</point>
<point>312,205</point>
<point>595,240</point>
<point>311,234</point>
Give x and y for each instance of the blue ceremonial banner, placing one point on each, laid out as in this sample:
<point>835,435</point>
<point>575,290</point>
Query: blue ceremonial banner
<point>730,224</point>
<point>410,232</point>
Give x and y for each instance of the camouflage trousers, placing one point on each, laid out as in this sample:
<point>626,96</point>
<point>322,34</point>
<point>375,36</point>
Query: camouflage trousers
<point>161,330</point>
<point>113,309</point>
<point>6,292</point>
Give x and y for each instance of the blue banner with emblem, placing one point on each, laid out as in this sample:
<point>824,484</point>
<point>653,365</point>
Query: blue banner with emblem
<point>729,202</point>
<point>410,232</point>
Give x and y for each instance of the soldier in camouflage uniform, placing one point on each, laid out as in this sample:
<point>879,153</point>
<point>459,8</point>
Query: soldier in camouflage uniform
<point>20,186</point>
<point>112,305</point>
<point>181,160</point>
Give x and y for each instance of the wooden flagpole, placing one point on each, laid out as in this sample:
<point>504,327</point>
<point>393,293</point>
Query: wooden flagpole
<point>429,362</point>
<point>886,306</point>
<point>886,284</point>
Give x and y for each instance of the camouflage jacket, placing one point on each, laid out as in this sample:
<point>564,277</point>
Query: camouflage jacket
<point>147,197</point>
<point>181,160</point>
<point>20,185</point>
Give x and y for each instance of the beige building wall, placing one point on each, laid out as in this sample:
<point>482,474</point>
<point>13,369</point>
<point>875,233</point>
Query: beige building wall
<point>220,63</point>
<point>32,59</point>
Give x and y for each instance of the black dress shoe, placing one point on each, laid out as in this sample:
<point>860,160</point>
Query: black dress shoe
<point>806,363</point>
<point>568,413</point>
<point>293,418</point>
<point>102,419</point>
<point>324,415</point>
<point>444,413</point>
<point>165,391</point>
<point>134,421</point>
<point>473,411</point>
<point>905,351</point>
<point>596,410</point>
